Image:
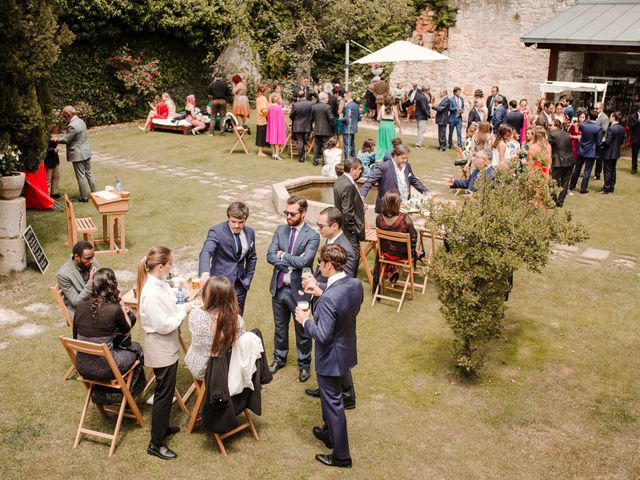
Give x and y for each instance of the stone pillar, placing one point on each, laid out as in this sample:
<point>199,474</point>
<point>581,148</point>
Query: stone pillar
<point>13,221</point>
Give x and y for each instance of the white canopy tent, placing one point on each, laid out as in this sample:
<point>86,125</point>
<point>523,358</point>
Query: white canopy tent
<point>558,87</point>
<point>403,51</point>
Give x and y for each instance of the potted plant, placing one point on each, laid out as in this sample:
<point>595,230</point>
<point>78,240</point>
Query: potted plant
<point>11,178</point>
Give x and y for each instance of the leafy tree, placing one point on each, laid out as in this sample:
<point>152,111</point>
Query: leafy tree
<point>30,41</point>
<point>509,223</point>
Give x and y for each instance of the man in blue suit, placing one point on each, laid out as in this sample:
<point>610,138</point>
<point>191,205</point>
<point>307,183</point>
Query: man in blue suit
<point>456,108</point>
<point>293,247</point>
<point>442,119</point>
<point>394,175</point>
<point>499,113</point>
<point>481,161</point>
<point>587,151</point>
<point>350,119</point>
<point>229,251</point>
<point>614,139</point>
<point>334,331</point>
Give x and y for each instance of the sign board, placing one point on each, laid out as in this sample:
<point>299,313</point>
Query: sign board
<point>36,249</point>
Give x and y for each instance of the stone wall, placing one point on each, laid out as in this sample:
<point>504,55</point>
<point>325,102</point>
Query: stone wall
<point>485,48</point>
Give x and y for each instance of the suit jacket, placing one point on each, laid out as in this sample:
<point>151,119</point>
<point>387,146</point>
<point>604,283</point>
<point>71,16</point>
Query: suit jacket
<point>350,118</point>
<point>334,328</point>
<point>74,289</point>
<point>442,112</point>
<point>561,152</point>
<point>515,119</point>
<point>498,117</point>
<point>591,139</point>
<point>453,110</point>
<point>346,198</point>
<point>490,99</point>
<point>603,121</point>
<point>614,139</point>
<point>543,121</point>
<point>322,119</point>
<point>422,106</point>
<point>301,116</point>
<point>469,184</point>
<point>309,93</point>
<point>474,116</point>
<point>218,255</point>
<point>350,267</point>
<point>385,177</point>
<point>634,127</point>
<point>78,149</point>
<point>380,89</point>
<point>304,251</point>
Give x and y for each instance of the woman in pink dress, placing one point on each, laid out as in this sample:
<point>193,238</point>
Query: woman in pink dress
<point>276,126</point>
<point>574,132</point>
<point>527,120</point>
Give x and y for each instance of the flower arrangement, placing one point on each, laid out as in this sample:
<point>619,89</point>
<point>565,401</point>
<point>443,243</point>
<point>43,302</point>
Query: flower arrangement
<point>9,160</point>
<point>137,74</point>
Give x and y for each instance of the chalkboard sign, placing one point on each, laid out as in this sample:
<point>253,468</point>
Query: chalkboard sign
<point>36,249</point>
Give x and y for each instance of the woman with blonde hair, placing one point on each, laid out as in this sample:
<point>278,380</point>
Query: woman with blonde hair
<point>194,115</point>
<point>171,106</point>
<point>262,106</point>
<point>276,126</point>
<point>160,318</point>
<point>539,152</point>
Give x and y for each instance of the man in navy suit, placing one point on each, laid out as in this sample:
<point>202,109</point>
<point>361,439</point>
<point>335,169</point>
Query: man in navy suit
<point>442,119</point>
<point>587,151</point>
<point>480,162</point>
<point>499,113</point>
<point>456,108</point>
<point>394,175</point>
<point>229,251</point>
<point>334,332</point>
<point>301,123</point>
<point>610,153</point>
<point>293,247</point>
<point>350,119</point>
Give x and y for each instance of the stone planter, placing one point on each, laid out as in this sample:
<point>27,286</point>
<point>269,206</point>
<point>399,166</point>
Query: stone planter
<point>11,186</point>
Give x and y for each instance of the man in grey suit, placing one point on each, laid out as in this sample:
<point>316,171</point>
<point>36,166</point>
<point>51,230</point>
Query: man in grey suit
<point>322,119</point>
<point>334,332</point>
<point>347,199</point>
<point>78,151</point>
<point>75,277</point>
<point>301,123</point>
<point>293,247</point>
<point>442,119</point>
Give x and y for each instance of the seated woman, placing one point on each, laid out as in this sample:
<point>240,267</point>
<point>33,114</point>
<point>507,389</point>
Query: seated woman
<point>171,106</point>
<point>159,110</point>
<point>215,326</point>
<point>194,115</point>
<point>98,320</point>
<point>393,220</point>
<point>332,157</point>
<point>367,156</point>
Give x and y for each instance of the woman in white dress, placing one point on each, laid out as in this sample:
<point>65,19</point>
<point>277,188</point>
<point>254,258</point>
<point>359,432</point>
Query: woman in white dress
<point>332,157</point>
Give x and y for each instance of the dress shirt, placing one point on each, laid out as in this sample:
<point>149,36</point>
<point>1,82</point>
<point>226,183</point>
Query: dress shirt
<point>287,276</point>
<point>403,187</point>
<point>333,240</point>
<point>330,281</point>
<point>158,310</point>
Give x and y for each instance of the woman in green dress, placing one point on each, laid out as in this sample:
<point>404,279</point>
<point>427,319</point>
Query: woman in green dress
<point>388,118</point>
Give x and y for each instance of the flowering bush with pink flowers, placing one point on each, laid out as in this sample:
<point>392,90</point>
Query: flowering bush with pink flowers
<point>138,74</point>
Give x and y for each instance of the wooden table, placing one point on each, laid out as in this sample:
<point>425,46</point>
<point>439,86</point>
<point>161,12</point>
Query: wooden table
<point>113,210</point>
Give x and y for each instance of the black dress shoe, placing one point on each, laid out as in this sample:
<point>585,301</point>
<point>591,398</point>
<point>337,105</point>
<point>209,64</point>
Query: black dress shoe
<point>315,162</point>
<point>172,430</point>
<point>312,392</point>
<point>320,435</point>
<point>634,171</point>
<point>55,195</point>
<point>596,177</point>
<point>83,200</point>
<point>161,452</point>
<point>275,366</point>
<point>348,404</point>
<point>333,462</point>
<point>304,375</point>
<point>586,191</point>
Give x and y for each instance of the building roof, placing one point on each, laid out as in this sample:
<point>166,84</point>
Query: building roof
<point>591,22</point>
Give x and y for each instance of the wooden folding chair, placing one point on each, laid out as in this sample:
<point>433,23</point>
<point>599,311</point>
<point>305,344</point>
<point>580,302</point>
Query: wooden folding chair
<point>239,133</point>
<point>84,226</point>
<point>122,382</point>
<point>57,296</point>
<point>370,241</point>
<point>408,285</point>
<point>199,387</point>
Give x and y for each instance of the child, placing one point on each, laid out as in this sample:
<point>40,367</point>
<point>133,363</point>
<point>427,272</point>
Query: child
<point>367,155</point>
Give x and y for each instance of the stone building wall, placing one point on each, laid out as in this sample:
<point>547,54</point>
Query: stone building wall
<point>486,50</point>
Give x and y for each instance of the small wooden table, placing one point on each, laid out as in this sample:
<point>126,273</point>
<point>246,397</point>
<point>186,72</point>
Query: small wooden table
<point>113,209</point>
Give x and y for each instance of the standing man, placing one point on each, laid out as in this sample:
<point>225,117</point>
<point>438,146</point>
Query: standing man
<point>515,118</point>
<point>569,112</point>
<point>456,108</point>
<point>229,251</point>
<point>411,97</point>
<point>75,277</point>
<point>347,199</point>
<point>442,119</point>
<point>334,332</point>
<point>301,123</point>
<point>499,113</point>
<point>491,102</point>
<point>562,158</point>
<point>380,89</point>
<point>219,92</point>
<point>545,119</point>
<point>350,119</point>
<point>603,121</point>
<point>634,130</point>
<point>421,114</point>
<point>587,151</point>
<point>78,151</point>
<point>322,119</point>
<point>309,93</point>
<point>475,115</point>
<point>614,139</point>
<point>293,247</point>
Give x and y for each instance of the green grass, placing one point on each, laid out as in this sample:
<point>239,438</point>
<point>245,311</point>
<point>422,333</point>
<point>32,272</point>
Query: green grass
<point>557,397</point>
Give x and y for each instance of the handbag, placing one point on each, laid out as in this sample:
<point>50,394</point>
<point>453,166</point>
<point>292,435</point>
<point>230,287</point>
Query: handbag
<point>121,341</point>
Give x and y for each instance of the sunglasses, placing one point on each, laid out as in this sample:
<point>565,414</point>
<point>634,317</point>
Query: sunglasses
<point>290,214</point>
<point>320,225</point>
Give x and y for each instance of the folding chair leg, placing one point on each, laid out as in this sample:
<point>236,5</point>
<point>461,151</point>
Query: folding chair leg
<point>404,293</point>
<point>220,445</point>
<point>181,404</point>
<point>69,374</point>
<point>380,280</point>
<point>247,414</point>
<point>82,417</point>
<point>123,404</point>
<point>196,408</point>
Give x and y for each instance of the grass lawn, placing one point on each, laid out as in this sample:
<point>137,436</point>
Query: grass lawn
<point>556,399</point>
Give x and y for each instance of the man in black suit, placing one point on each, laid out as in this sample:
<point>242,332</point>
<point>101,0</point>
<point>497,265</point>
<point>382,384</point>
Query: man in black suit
<point>421,114</point>
<point>442,119</point>
<point>347,199</point>
<point>610,153</point>
<point>301,123</point>
<point>309,93</point>
<point>562,158</point>
<point>334,332</point>
<point>634,130</point>
<point>515,118</point>
<point>491,106</point>
<point>474,114</point>
<point>322,119</point>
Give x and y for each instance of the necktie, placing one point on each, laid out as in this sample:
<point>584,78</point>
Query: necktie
<point>292,240</point>
<point>238,245</point>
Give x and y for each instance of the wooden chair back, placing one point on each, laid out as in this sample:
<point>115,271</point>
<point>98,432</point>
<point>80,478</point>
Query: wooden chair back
<point>57,296</point>
<point>397,237</point>
<point>122,382</point>
<point>403,265</point>
<point>72,232</point>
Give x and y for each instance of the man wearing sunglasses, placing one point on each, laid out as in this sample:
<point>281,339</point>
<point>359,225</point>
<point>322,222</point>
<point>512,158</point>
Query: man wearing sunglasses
<point>293,247</point>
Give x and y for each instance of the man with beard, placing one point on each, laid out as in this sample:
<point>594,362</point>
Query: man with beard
<point>75,277</point>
